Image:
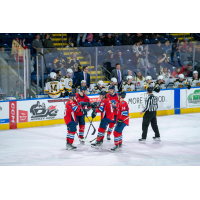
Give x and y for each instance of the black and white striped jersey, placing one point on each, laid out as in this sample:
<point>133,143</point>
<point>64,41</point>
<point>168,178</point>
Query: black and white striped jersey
<point>151,103</point>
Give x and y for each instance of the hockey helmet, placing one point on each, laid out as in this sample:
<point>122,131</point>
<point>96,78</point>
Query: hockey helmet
<point>114,80</point>
<point>83,88</point>
<point>150,89</point>
<point>129,77</point>
<point>195,72</point>
<point>72,94</point>
<point>69,71</point>
<point>100,83</point>
<point>148,78</point>
<point>103,93</point>
<point>122,94</point>
<point>111,87</point>
<point>53,75</point>
<point>181,76</point>
<point>160,77</point>
<point>83,81</point>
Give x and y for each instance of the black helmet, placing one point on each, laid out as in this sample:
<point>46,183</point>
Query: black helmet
<point>122,94</point>
<point>103,93</point>
<point>72,94</point>
<point>150,89</point>
<point>83,88</point>
<point>111,87</point>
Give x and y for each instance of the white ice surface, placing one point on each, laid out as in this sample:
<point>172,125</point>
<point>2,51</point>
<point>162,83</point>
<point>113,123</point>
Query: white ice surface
<point>43,146</point>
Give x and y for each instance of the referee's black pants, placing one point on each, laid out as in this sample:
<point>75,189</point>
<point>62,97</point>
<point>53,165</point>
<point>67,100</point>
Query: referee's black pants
<point>147,118</point>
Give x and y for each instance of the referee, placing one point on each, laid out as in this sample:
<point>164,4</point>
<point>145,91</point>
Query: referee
<point>150,116</point>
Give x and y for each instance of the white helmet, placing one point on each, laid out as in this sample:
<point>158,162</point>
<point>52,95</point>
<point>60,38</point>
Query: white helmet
<point>160,77</point>
<point>181,76</point>
<point>195,72</point>
<point>148,78</point>
<point>53,75</point>
<point>114,80</point>
<point>83,81</point>
<point>100,83</point>
<point>69,70</point>
<point>129,77</point>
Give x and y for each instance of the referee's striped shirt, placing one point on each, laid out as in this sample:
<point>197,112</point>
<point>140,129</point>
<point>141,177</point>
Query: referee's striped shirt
<point>151,103</point>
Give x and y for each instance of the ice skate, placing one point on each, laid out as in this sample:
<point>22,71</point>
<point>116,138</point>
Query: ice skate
<point>115,148</point>
<point>120,145</point>
<point>142,140</point>
<point>156,138</point>
<point>70,147</point>
<point>96,145</point>
<point>108,137</point>
<point>82,140</point>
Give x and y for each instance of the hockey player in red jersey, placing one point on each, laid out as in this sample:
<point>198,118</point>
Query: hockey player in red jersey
<point>123,120</point>
<point>71,110</point>
<point>115,101</point>
<point>83,101</point>
<point>107,116</point>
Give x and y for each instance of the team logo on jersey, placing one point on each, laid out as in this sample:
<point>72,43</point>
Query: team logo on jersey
<point>39,111</point>
<point>70,83</point>
<point>113,102</point>
<point>138,83</point>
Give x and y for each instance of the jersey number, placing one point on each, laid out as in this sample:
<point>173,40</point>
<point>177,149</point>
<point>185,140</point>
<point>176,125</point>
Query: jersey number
<point>54,88</point>
<point>65,112</point>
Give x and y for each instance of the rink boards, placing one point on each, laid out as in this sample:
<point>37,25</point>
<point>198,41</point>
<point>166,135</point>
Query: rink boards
<point>43,112</point>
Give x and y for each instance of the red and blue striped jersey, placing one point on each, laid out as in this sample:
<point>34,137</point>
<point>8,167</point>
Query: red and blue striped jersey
<point>123,113</point>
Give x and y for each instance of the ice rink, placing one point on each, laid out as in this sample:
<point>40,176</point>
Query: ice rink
<point>45,146</point>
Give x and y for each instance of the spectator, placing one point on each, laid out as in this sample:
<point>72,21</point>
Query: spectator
<point>47,41</point>
<point>190,54</point>
<point>175,49</point>
<point>138,47</point>
<point>189,70</point>
<point>167,47</point>
<point>157,49</point>
<point>32,63</point>
<point>37,43</point>
<point>176,72</point>
<point>37,89</point>
<point>159,36</point>
<point>59,62</point>
<point>127,39</point>
<point>109,40</point>
<point>22,43</point>
<point>119,58</point>
<point>197,57</point>
<point>186,45</point>
<point>99,37</point>
<point>83,76</point>
<point>74,61</point>
<point>81,35</point>
<point>118,74</point>
<point>159,62</point>
<point>109,64</point>
<point>89,37</point>
<point>138,37</point>
<point>166,73</point>
<point>139,77</point>
<point>138,61</point>
<point>129,73</point>
<point>3,54</point>
<point>58,75</point>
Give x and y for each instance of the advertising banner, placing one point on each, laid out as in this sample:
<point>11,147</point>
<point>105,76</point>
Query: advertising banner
<point>193,98</point>
<point>136,100</point>
<point>4,112</point>
<point>13,114</point>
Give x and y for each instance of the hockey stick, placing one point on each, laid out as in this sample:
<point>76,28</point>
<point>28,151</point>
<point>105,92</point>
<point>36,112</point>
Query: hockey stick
<point>107,131</point>
<point>88,120</point>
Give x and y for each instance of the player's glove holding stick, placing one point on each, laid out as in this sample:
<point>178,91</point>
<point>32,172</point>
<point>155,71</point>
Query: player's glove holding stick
<point>94,114</point>
<point>119,122</point>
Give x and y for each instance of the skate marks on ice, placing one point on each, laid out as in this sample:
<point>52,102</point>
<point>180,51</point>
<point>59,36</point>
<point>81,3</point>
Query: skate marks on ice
<point>38,146</point>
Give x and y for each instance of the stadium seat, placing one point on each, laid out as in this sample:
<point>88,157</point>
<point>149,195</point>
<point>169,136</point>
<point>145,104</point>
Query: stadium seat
<point>86,44</point>
<point>162,40</point>
<point>16,35</point>
<point>28,45</point>
<point>7,40</point>
<point>4,45</point>
<point>128,61</point>
<point>146,41</point>
<point>97,44</point>
<point>171,40</point>
<point>153,41</point>
<point>130,67</point>
<point>4,35</point>
<point>27,35</point>
<point>28,40</point>
<point>127,56</point>
<point>126,52</point>
<point>117,43</point>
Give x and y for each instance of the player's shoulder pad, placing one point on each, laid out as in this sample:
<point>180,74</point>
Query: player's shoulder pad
<point>95,87</point>
<point>177,80</point>
<point>78,87</point>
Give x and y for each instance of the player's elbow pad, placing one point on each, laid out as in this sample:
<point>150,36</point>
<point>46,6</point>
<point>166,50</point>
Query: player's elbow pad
<point>75,108</point>
<point>125,113</point>
<point>101,108</point>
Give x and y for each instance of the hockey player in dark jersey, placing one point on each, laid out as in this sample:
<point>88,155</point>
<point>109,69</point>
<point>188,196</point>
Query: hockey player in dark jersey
<point>107,116</point>
<point>160,83</point>
<point>114,100</point>
<point>71,111</point>
<point>123,120</point>
<point>83,101</point>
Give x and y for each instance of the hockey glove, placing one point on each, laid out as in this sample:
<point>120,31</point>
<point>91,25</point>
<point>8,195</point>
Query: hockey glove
<point>94,105</point>
<point>157,89</point>
<point>114,106</point>
<point>89,104</point>
<point>83,104</point>
<point>188,86</point>
<point>94,114</point>
<point>119,122</point>
<point>84,112</point>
